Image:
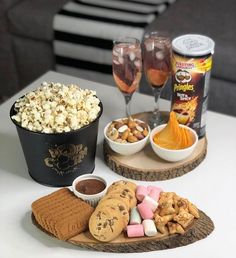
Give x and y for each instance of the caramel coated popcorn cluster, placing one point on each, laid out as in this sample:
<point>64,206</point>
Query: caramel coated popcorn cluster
<point>56,108</point>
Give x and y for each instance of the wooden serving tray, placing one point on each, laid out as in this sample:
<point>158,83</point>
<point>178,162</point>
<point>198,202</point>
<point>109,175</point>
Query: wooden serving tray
<point>147,166</point>
<point>200,229</point>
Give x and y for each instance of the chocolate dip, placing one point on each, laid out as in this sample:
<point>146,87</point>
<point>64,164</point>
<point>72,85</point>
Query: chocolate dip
<point>90,186</point>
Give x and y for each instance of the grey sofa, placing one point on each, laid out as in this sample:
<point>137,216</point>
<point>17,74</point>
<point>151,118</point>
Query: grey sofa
<point>26,42</point>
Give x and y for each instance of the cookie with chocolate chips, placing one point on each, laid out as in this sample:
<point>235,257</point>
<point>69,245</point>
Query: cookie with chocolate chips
<point>106,223</point>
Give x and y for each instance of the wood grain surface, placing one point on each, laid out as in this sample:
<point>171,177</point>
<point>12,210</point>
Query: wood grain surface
<point>200,229</point>
<point>147,166</point>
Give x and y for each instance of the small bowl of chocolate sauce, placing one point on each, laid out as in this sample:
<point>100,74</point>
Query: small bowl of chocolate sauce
<point>90,188</point>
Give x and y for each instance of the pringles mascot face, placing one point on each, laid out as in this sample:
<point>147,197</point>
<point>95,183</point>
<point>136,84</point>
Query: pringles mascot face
<point>183,76</point>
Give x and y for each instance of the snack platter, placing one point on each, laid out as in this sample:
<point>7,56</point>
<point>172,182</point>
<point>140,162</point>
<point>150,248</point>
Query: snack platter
<point>147,166</point>
<point>111,225</point>
<point>123,216</point>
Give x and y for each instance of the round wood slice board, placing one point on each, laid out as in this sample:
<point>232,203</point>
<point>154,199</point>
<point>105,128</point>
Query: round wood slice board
<point>200,229</point>
<point>147,166</point>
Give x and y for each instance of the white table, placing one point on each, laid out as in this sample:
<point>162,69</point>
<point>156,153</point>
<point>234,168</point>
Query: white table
<point>211,186</point>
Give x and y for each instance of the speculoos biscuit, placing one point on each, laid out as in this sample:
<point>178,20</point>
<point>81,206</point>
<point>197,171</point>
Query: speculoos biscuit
<point>62,213</point>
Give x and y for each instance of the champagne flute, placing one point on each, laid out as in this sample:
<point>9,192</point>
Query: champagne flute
<point>127,67</point>
<point>157,67</point>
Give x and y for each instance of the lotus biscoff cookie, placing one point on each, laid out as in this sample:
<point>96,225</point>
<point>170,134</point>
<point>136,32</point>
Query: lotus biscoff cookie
<point>62,213</point>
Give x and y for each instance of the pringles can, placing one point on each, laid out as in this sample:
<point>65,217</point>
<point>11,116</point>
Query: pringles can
<point>191,65</point>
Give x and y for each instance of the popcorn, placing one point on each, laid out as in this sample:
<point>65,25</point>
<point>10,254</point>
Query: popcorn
<point>56,108</point>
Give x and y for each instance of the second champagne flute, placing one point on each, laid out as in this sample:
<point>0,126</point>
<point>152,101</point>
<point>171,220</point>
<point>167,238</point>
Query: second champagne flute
<point>127,67</point>
<point>157,67</point>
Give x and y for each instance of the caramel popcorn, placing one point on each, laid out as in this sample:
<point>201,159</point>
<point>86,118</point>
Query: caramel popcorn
<point>56,108</point>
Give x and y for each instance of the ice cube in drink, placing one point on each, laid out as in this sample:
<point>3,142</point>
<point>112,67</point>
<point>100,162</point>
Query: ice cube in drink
<point>127,67</point>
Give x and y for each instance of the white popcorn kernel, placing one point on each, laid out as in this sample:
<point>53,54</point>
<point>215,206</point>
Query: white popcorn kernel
<point>24,116</point>
<point>48,119</point>
<point>92,115</point>
<point>30,126</point>
<point>37,116</point>
<point>46,106</point>
<point>16,118</point>
<point>18,104</point>
<point>47,130</point>
<point>44,84</point>
<point>73,122</point>
<point>52,105</point>
<point>67,129</point>
<point>39,128</point>
<point>60,109</point>
<point>48,112</point>
<point>48,94</point>
<point>89,104</point>
<point>60,119</point>
<point>59,129</point>
<point>24,123</point>
<point>72,102</point>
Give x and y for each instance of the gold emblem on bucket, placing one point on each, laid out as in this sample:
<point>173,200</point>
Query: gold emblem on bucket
<point>64,158</point>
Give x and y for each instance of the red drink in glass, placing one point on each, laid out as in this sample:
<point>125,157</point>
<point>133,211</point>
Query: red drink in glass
<point>157,60</point>
<point>127,67</point>
<point>157,67</point>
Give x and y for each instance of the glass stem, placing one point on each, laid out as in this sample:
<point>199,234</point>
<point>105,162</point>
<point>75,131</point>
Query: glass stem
<point>157,94</point>
<point>127,103</point>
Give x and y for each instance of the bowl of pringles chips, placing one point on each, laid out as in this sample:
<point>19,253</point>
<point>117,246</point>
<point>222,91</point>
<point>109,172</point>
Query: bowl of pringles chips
<point>172,141</point>
<point>125,208</point>
<point>58,126</point>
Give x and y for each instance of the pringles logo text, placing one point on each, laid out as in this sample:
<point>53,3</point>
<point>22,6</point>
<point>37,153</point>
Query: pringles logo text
<point>183,87</point>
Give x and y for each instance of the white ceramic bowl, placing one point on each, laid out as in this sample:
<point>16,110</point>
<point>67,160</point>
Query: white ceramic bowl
<point>173,155</point>
<point>126,148</point>
<point>92,199</point>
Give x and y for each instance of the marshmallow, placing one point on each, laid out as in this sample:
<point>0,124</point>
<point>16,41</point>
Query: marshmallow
<point>152,204</point>
<point>135,230</point>
<point>154,192</point>
<point>141,192</point>
<point>149,227</point>
<point>145,211</point>
<point>134,216</point>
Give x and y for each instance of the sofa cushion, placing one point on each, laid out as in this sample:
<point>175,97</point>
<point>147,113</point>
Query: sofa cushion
<point>33,58</point>
<point>9,3</point>
<point>8,70</point>
<point>33,18</point>
<point>222,97</point>
<point>213,18</point>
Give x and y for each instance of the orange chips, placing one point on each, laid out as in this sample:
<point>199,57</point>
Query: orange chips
<point>173,136</point>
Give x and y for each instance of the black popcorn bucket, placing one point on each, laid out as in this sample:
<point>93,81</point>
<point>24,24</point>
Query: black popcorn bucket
<point>56,159</point>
